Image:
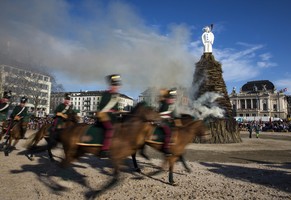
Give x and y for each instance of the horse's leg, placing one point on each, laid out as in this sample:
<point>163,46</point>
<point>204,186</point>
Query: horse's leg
<point>172,161</point>
<point>15,143</point>
<point>181,158</point>
<point>136,168</point>
<point>50,145</point>
<point>7,145</point>
<point>142,153</point>
<point>71,154</point>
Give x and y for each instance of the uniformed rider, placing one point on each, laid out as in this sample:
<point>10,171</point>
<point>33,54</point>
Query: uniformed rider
<point>61,113</point>
<point>106,109</point>
<point>168,113</point>
<point>20,114</point>
<point>4,106</point>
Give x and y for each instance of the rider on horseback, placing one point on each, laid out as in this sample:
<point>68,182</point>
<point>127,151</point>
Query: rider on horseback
<point>61,113</point>
<point>167,112</point>
<point>19,115</point>
<point>108,105</point>
<point>4,107</point>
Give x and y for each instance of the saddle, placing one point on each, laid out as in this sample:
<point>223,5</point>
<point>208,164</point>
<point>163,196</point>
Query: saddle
<point>156,135</point>
<point>93,136</point>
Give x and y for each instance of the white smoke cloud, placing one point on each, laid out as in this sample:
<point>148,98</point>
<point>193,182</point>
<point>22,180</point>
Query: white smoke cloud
<point>115,40</point>
<point>205,106</point>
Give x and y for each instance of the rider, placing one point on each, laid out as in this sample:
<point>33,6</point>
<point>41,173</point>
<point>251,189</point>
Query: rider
<point>167,112</point>
<point>4,106</point>
<point>108,105</point>
<point>61,113</point>
<point>19,114</point>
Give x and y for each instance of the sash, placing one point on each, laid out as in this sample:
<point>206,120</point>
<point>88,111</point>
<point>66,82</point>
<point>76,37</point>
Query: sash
<point>7,104</point>
<point>166,114</point>
<point>66,108</point>
<point>20,111</point>
<point>114,99</point>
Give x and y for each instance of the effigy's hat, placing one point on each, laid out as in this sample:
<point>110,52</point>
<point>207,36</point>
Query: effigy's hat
<point>114,79</point>
<point>23,99</point>
<point>67,96</point>
<point>7,94</point>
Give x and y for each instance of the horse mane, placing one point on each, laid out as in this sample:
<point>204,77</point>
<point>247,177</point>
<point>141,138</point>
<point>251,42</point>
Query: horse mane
<point>137,106</point>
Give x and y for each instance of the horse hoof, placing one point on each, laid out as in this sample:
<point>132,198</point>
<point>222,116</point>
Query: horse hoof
<point>174,184</point>
<point>29,157</point>
<point>138,170</point>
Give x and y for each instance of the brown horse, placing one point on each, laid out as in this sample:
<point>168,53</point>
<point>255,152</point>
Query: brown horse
<point>128,137</point>
<point>35,138</point>
<point>51,137</point>
<point>12,132</point>
<point>181,137</point>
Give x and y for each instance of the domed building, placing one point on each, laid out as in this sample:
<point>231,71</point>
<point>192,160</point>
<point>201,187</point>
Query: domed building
<point>259,99</point>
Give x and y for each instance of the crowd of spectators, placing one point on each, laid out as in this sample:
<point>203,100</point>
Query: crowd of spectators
<point>275,126</point>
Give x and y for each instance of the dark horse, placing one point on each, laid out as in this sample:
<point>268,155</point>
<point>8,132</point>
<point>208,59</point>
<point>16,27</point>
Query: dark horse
<point>12,132</point>
<point>181,136</point>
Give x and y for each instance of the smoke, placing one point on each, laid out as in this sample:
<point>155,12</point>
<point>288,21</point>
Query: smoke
<point>203,107</point>
<point>82,47</point>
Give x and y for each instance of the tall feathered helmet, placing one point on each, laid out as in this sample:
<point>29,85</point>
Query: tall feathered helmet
<point>67,96</point>
<point>23,99</point>
<point>7,94</point>
<point>114,79</point>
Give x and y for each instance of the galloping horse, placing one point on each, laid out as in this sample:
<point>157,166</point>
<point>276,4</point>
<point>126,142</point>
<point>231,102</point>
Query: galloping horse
<point>181,137</point>
<point>51,137</point>
<point>36,137</point>
<point>129,135</point>
<point>12,131</point>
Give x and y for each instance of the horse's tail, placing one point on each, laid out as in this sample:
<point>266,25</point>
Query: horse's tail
<point>34,138</point>
<point>31,140</point>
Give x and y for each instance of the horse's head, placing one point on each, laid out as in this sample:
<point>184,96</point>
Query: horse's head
<point>146,112</point>
<point>73,117</point>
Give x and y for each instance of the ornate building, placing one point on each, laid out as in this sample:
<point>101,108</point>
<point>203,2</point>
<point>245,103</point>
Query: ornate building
<point>259,99</point>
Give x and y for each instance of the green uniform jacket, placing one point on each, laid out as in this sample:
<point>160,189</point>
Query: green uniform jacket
<point>4,108</point>
<point>59,120</point>
<point>23,114</point>
<point>164,106</point>
<point>62,107</point>
<point>105,99</point>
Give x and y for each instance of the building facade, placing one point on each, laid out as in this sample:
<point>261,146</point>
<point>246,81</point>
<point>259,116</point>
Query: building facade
<point>259,99</point>
<point>86,102</point>
<point>35,86</point>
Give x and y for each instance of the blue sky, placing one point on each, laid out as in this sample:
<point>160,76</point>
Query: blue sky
<point>149,42</point>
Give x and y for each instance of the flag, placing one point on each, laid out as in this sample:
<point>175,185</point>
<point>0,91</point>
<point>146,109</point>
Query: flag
<point>285,90</point>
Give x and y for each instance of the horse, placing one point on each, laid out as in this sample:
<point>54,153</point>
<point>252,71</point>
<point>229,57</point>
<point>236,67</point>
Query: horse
<point>182,135</point>
<point>35,138</point>
<point>51,137</point>
<point>11,130</point>
<point>128,137</point>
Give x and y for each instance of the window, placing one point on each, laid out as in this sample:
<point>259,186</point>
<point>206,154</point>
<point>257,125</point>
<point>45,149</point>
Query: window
<point>242,103</point>
<point>275,107</point>
<point>255,101</point>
